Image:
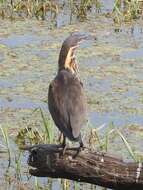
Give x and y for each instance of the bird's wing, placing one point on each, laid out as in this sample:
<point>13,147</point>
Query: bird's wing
<point>67,106</point>
<point>57,100</point>
<point>55,103</point>
<point>76,108</point>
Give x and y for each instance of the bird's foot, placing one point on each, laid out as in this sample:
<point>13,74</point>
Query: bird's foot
<point>79,149</point>
<point>64,148</point>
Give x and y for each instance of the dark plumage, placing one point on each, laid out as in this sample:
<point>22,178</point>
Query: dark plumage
<point>66,100</point>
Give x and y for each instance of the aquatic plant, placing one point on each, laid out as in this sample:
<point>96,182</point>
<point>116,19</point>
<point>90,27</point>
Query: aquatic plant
<point>123,10</point>
<point>6,140</point>
<point>28,8</point>
<point>82,7</point>
<point>114,131</point>
<point>46,136</point>
<point>127,10</point>
<point>111,132</point>
<point>94,139</point>
<point>49,132</point>
<point>37,185</point>
<point>18,165</point>
<point>33,135</point>
<point>41,9</point>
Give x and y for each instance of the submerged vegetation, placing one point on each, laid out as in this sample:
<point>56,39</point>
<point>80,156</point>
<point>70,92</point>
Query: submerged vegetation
<point>122,10</point>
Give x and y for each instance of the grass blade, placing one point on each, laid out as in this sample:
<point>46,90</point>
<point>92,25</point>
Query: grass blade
<point>127,145</point>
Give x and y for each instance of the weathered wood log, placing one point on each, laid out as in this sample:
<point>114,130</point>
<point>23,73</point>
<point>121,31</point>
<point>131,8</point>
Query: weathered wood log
<point>90,167</point>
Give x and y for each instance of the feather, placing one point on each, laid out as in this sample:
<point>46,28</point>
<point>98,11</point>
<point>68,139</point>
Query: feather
<point>67,104</point>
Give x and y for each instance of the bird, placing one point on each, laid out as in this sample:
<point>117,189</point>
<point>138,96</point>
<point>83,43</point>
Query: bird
<point>66,98</point>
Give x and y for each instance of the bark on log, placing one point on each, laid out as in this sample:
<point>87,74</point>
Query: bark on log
<point>90,167</point>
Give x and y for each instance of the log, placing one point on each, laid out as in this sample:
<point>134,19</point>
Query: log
<point>91,167</point>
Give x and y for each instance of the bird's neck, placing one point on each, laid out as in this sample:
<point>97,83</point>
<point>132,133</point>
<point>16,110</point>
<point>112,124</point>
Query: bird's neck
<point>62,57</point>
<point>66,69</point>
<point>75,75</point>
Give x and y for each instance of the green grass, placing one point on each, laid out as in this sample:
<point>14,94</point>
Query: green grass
<point>111,133</point>
<point>48,127</point>
<point>18,165</point>
<point>5,135</point>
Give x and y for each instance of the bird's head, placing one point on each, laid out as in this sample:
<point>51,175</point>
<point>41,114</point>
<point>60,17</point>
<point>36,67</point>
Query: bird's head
<point>67,54</point>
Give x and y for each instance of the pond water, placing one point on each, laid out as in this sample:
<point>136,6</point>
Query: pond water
<point>110,68</point>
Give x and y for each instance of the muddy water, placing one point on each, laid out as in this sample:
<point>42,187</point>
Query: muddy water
<point>110,68</point>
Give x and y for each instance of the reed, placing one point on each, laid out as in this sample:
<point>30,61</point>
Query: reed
<point>117,133</point>
<point>28,8</point>
<point>18,165</point>
<point>103,142</point>
<point>127,10</point>
<point>7,144</point>
<point>48,128</point>
<point>83,7</point>
<point>123,10</point>
<point>36,184</point>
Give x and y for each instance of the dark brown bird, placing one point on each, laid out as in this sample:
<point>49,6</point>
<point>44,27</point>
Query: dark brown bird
<point>66,100</point>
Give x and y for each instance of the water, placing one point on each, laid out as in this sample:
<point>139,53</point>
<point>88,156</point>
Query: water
<point>18,102</point>
<point>136,54</point>
<point>117,118</point>
<point>18,40</point>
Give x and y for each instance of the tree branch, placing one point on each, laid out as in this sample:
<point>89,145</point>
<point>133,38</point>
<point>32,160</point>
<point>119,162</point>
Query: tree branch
<point>90,167</point>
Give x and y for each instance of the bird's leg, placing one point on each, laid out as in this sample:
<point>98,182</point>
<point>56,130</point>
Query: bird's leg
<point>64,141</point>
<point>80,148</point>
<point>81,144</point>
<point>60,137</point>
<point>63,145</point>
